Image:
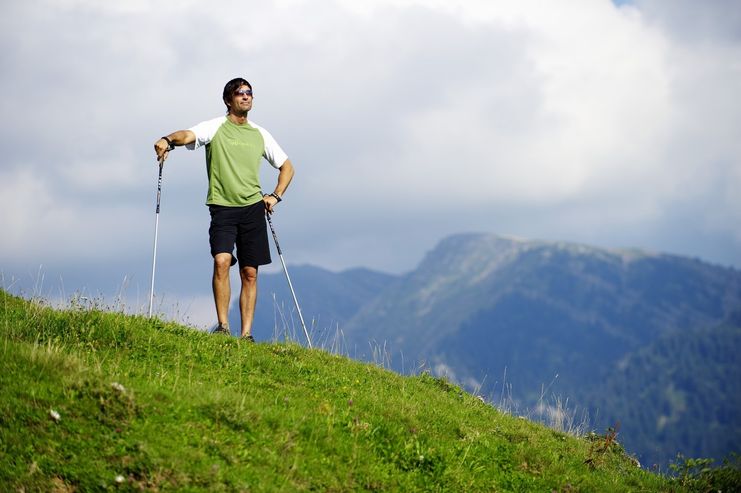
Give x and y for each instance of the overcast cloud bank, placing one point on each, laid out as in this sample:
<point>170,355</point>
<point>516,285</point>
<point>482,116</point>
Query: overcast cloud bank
<point>586,121</point>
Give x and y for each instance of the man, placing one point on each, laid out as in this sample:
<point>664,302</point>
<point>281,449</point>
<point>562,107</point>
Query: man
<point>234,151</point>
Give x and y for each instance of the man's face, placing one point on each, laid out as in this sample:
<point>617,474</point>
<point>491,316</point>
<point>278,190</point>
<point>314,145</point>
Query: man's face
<point>242,99</point>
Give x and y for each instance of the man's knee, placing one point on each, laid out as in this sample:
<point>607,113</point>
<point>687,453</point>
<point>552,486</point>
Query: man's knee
<point>248,275</point>
<point>222,262</point>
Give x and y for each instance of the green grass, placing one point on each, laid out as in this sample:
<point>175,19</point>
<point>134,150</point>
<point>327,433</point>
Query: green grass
<point>154,406</point>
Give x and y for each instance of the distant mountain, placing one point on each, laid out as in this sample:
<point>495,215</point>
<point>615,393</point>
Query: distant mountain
<point>682,393</point>
<point>577,317</point>
<point>469,282</point>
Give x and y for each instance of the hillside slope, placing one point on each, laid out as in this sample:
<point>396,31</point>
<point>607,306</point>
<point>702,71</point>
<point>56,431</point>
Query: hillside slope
<point>103,401</point>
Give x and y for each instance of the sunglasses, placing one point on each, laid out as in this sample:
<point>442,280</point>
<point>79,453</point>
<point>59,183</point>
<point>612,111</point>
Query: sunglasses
<point>243,92</point>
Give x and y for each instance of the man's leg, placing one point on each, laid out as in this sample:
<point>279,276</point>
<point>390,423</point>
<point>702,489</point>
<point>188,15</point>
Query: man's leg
<point>221,286</point>
<point>248,298</point>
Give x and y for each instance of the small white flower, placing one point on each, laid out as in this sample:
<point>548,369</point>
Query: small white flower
<point>119,479</point>
<point>54,415</point>
<point>117,386</point>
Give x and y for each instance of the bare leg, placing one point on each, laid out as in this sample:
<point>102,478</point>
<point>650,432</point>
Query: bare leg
<point>248,298</point>
<point>222,288</point>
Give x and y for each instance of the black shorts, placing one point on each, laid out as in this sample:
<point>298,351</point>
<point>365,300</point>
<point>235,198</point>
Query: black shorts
<point>243,226</point>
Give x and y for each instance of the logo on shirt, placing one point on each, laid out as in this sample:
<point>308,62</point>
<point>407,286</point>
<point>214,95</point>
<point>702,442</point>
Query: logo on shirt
<point>240,143</point>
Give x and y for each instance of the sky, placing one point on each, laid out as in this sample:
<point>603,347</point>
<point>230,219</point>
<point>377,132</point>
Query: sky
<point>614,124</point>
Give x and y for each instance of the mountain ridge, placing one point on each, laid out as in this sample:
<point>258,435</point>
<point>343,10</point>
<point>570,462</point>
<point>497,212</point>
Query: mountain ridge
<point>461,267</point>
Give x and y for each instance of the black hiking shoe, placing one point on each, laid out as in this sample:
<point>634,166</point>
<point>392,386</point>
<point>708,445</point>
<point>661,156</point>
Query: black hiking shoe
<point>248,338</point>
<point>222,329</point>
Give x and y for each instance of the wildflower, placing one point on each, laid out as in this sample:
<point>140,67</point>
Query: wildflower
<point>118,387</point>
<point>54,415</point>
<point>119,479</point>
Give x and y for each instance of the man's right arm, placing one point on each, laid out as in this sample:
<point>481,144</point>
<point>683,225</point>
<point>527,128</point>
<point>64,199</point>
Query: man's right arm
<point>179,138</point>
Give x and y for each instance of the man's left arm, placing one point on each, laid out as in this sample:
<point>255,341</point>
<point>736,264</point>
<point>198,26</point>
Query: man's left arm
<point>285,175</point>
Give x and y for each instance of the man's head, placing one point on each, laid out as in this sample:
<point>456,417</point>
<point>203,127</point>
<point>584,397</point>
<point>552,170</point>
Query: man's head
<point>231,91</point>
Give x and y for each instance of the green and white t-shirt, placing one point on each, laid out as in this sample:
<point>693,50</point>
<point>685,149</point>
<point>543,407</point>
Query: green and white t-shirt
<point>233,156</point>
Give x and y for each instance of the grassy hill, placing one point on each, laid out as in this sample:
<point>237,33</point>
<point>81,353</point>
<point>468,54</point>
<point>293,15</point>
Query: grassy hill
<point>98,401</point>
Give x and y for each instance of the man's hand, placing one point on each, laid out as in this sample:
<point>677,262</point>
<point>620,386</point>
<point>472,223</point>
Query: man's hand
<point>165,144</point>
<point>162,148</point>
<point>270,200</point>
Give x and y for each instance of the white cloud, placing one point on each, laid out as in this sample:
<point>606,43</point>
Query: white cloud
<point>102,173</point>
<point>576,120</point>
<point>20,191</point>
<point>44,225</point>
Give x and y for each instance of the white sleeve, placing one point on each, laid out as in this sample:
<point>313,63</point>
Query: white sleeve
<point>205,131</point>
<point>273,153</point>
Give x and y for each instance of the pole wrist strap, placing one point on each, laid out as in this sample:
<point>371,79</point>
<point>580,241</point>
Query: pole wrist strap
<point>170,145</point>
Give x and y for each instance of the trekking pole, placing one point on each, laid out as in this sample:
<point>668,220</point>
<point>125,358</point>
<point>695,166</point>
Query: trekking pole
<point>290,286</point>
<point>156,230</point>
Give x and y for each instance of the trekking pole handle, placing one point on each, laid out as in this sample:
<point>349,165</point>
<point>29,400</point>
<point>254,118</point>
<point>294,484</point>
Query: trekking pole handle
<point>159,184</point>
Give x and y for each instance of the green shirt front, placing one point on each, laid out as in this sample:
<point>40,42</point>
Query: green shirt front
<point>233,156</point>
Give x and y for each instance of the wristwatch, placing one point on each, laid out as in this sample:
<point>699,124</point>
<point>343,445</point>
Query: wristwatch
<point>170,145</point>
